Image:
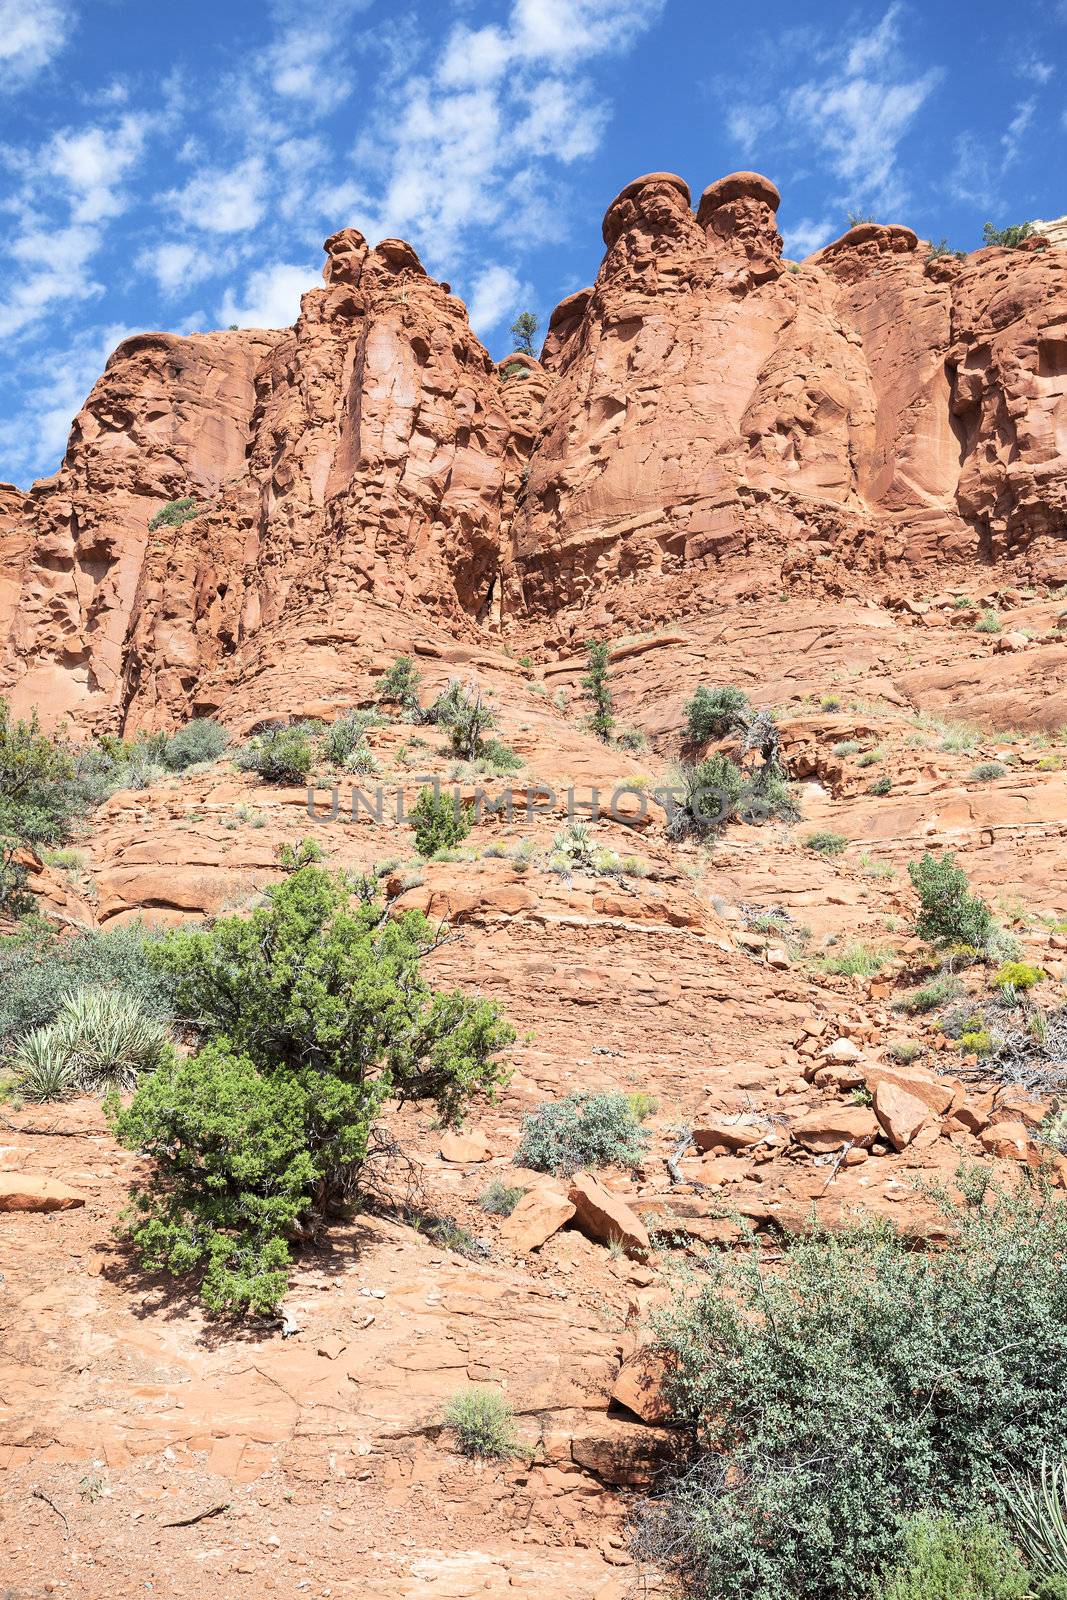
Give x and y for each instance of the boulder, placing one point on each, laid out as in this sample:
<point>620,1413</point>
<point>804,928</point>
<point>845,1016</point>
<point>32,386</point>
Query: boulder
<point>24,1191</point>
<point>831,1127</point>
<point>842,1051</point>
<point>539,1214</point>
<point>901,1114</point>
<point>1009,1140</point>
<point>639,1385</point>
<point>606,1217</point>
<point>712,1132</point>
<point>465,1147</point>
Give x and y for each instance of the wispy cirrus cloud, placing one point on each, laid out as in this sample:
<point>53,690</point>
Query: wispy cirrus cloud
<point>850,103</point>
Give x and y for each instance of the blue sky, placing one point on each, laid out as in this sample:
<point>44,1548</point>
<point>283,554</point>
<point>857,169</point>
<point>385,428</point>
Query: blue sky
<point>179,166</point>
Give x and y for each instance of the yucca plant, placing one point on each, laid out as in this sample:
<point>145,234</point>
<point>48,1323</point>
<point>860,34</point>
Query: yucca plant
<point>107,1038</point>
<point>42,1068</point>
<point>1037,1508</point>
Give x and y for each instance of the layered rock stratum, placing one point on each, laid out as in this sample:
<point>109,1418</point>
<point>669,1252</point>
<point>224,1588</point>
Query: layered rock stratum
<point>705,411</point>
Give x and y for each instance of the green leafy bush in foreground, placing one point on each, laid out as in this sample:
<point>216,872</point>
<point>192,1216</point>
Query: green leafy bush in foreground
<point>584,1130</point>
<point>312,1013</point>
<point>830,1397</point>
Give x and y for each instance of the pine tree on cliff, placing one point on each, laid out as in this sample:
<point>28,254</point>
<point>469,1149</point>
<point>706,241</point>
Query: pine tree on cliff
<point>524,330</point>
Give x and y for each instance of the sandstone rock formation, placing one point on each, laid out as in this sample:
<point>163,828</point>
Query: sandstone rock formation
<point>705,410</point>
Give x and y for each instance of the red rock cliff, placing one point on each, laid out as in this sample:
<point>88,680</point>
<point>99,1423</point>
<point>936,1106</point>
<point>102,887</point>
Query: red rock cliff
<point>370,474</point>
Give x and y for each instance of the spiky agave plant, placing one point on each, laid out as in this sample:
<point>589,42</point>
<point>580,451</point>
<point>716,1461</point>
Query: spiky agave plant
<point>1037,1508</point>
<point>42,1068</point>
<point>107,1039</point>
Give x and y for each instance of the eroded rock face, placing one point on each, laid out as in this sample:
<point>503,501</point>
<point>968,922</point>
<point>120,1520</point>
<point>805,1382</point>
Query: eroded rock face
<point>704,409</point>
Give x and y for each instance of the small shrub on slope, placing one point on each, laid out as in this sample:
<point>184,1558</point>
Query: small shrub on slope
<point>949,1559</point>
<point>440,822</point>
<point>482,1423</point>
<point>584,1130</point>
<point>949,912</point>
<point>713,713</point>
<point>199,740</point>
<point>312,1012</point>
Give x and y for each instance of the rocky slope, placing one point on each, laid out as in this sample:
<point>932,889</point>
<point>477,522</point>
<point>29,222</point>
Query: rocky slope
<point>706,413</point>
<point>810,483</point>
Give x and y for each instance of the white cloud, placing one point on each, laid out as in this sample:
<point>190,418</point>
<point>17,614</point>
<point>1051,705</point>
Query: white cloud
<point>56,269</point>
<point>562,31</point>
<point>807,236</point>
<point>177,265</point>
<point>32,34</point>
<point>852,112</point>
<point>303,65</point>
<point>271,296</point>
<point>34,441</point>
<point>459,149</point>
<point>92,163</point>
<point>217,200</point>
<point>495,294</point>
<point>1012,139</point>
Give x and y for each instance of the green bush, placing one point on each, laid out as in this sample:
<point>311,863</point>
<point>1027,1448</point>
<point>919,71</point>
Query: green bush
<point>440,822</point>
<point>38,973</point>
<point>482,1423</point>
<point>928,997</point>
<point>986,771</point>
<point>471,722</point>
<point>312,1013</point>
<point>174,512</point>
<point>584,1130</point>
<point>717,791</point>
<point>42,1073</point>
<point>949,1559</point>
<point>825,844</point>
<point>949,912</point>
<point>870,758</point>
<point>1018,975</point>
<point>399,686</point>
<point>344,737</point>
<point>305,853</point>
<point>1007,238</point>
<point>500,757</point>
<point>200,740</point>
<point>595,684</point>
<point>714,712</point>
<point>282,755</point>
<point>880,786</point>
<point>988,622</point>
<point>500,1199</point>
<point>39,793</point>
<point>1050,1588</point>
<point>834,1393</point>
<point>847,747</point>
